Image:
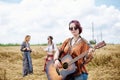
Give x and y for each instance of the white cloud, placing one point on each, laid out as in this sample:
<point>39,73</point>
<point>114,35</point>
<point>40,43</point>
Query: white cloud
<point>41,18</point>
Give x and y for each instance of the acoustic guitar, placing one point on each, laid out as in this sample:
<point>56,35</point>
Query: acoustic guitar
<point>68,65</point>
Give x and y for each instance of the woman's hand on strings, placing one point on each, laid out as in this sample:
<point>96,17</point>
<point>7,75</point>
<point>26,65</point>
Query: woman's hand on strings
<point>57,63</point>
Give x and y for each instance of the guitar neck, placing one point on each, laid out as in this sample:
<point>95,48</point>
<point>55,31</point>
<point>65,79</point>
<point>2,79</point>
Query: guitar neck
<point>99,45</point>
<point>78,57</point>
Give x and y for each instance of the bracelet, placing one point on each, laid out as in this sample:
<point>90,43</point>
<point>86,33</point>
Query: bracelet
<point>55,60</point>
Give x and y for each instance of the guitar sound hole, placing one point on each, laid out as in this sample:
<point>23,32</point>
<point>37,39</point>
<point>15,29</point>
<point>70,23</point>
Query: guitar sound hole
<point>65,65</point>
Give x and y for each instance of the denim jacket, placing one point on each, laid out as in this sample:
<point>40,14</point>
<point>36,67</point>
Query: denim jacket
<point>25,45</point>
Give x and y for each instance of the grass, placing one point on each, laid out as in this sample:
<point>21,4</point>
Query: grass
<point>104,66</point>
<point>11,63</point>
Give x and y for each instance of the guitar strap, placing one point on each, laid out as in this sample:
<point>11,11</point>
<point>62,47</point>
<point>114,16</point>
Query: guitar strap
<point>62,50</point>
<point>70,46</point>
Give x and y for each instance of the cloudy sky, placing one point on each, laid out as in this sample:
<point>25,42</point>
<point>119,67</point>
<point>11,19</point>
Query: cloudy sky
<point>41,18</point>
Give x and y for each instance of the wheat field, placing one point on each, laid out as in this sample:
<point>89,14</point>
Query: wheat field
<point>104,66</point>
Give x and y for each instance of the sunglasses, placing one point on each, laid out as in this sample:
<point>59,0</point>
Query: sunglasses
<point>71,28</point>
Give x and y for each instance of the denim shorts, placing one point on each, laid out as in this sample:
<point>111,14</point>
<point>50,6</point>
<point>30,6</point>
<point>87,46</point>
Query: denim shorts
<point>83,76</point>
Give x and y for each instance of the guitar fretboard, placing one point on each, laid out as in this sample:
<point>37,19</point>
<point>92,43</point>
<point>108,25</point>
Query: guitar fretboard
<point>78,57</point>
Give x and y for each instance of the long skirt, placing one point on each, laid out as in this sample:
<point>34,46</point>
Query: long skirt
<point>49,58</point>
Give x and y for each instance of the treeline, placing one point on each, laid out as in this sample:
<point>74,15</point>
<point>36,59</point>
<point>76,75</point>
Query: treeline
<point>16,44</point>
<point>9,44</point>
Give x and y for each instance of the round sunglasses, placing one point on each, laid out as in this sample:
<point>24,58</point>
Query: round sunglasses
<point>71,28</point>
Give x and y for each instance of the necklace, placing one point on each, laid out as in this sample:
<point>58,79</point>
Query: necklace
<point>71,44</point>
<point>73,41</point>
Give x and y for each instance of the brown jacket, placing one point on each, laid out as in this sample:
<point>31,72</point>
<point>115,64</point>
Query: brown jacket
<point>77,49</point>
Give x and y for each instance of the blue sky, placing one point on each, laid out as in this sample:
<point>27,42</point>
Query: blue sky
<point>41,18</point>
<point>97,2</point>
<point>114,3</point>
<point>11,1</point>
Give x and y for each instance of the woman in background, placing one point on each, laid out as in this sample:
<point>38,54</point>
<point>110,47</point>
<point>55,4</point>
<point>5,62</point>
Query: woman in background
<point>51,49</point>
<point>27,62</point>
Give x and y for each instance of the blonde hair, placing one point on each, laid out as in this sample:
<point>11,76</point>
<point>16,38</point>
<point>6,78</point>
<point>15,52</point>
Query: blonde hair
<point>26,37</point>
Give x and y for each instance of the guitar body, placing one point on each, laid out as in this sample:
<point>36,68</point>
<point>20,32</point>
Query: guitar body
<point>52,73</point>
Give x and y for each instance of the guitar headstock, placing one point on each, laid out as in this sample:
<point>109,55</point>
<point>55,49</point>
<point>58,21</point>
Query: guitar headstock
<point>100,45</point>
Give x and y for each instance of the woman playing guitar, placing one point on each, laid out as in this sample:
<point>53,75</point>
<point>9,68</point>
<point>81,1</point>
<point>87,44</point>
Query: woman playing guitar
<point>75,46</point>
